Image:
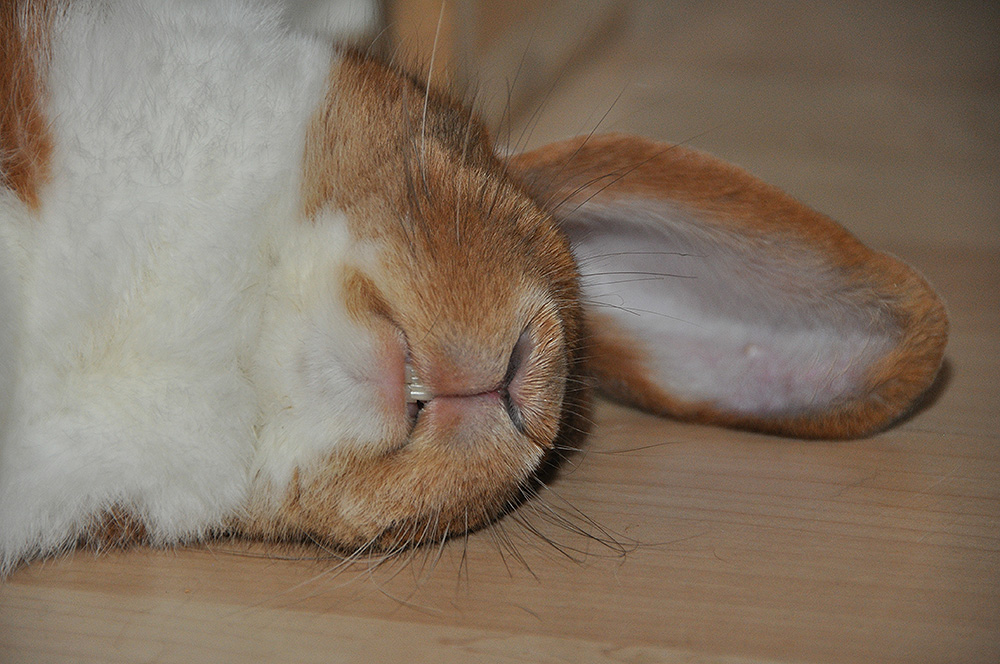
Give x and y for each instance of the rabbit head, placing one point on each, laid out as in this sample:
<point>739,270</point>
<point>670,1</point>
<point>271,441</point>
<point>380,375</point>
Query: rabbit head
<point>422,351</point>
<point>438,316</point>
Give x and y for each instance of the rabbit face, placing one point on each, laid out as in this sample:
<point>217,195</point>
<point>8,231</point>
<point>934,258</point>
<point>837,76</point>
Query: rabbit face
<point>420,336</point>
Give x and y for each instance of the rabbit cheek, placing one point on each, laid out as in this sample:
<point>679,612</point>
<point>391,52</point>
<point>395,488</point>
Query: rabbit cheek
<point>329,380</point>
<point>385,372</point>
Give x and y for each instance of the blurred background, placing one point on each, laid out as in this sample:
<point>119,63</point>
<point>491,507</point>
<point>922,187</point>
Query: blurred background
<point>884,110</point>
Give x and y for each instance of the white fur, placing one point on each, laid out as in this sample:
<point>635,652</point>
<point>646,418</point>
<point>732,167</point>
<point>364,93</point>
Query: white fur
<point>178,131</point>
<point>342,20</point>
<point>318,370</point>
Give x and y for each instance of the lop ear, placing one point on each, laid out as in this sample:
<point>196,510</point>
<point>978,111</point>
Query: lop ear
<point>714,297</point>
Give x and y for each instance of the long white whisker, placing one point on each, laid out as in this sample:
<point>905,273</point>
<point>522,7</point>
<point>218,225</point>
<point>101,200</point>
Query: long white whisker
<point>430,76</point>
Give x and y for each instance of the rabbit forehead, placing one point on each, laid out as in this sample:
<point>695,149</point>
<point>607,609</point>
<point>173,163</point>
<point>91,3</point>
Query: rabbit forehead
<point>416,178</point>
<point>380,134</point>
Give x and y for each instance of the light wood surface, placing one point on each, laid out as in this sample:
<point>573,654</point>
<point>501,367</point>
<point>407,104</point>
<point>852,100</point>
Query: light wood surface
<point>672,542</point>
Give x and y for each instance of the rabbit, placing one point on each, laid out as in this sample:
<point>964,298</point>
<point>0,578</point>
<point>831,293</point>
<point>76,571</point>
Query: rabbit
<point>258,285</point>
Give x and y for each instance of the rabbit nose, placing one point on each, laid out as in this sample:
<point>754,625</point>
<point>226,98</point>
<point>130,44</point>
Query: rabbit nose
<point>513,383</point>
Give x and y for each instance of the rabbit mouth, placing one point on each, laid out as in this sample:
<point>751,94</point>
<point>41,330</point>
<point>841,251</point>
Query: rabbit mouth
<point>508,391</point>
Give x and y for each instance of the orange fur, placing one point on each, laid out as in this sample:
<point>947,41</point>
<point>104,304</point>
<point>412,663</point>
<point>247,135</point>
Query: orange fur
<point>114,528</point>
<point>25,145</point>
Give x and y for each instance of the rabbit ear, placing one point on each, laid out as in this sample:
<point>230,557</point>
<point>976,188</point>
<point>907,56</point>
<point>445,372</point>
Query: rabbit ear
<point>715,297</point>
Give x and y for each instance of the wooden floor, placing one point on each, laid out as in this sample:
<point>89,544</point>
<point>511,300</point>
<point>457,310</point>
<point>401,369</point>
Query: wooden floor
<point>665,541</point>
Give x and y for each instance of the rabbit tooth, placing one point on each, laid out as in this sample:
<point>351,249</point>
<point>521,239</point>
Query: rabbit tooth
<point>415,390</point>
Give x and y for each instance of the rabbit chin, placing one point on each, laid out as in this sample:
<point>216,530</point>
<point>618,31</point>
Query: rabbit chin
<point>463,464</point>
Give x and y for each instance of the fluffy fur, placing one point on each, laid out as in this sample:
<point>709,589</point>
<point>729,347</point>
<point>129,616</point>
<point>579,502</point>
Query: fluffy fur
<point>139,279</point>
<point>222,243</point>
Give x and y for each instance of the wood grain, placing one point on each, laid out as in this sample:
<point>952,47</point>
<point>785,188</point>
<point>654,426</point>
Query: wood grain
<point>696,544</point>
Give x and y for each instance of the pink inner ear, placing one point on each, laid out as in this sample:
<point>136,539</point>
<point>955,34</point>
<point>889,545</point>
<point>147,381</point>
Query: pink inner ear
<point>747,323</point>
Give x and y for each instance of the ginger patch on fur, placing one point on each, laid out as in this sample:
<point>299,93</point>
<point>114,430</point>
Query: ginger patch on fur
<point>25,145</point>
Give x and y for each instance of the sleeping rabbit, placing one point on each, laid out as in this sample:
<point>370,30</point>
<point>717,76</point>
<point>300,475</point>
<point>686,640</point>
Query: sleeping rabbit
<point>256,285</point>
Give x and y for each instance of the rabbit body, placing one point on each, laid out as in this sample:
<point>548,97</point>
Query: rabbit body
<point>133,296</point>
<point>255,285</point>
<point>197,262</point>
